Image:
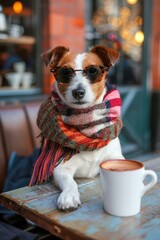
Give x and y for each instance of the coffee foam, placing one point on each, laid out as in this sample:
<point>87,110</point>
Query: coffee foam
<point>121,165</point>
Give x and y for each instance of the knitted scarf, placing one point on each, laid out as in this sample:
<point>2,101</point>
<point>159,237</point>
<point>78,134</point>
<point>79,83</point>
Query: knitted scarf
<point>66,131</point>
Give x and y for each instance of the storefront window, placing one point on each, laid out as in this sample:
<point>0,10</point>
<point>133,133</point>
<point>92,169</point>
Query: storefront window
<point>18,45</point>
<point>119,24</point>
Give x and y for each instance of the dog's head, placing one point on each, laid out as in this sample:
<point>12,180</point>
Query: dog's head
<point>80,78</point>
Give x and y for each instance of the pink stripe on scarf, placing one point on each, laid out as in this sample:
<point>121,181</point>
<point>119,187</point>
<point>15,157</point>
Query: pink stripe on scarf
<point>115,112</point>
<point>112,95</point>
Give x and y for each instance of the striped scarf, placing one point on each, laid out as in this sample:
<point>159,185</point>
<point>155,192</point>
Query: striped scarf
<point>66,131</point>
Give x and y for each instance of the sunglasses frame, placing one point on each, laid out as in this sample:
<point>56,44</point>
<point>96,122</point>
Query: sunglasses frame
<point>84,71</point>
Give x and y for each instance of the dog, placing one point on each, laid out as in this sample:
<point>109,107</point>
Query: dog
<point>81,84</point>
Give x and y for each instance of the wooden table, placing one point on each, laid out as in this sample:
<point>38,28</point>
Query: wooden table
<point>38,204</point>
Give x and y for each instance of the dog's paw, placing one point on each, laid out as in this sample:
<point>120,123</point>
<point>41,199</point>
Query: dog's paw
<point>68,201</point>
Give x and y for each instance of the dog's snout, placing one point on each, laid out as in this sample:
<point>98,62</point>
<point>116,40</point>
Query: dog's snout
<point>78,93</point>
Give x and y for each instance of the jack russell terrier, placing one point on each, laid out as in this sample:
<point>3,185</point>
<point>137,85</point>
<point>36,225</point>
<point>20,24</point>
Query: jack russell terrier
<point>80,121</point>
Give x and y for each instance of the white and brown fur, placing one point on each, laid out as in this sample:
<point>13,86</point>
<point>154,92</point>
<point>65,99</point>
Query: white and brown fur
<point>86,163</point>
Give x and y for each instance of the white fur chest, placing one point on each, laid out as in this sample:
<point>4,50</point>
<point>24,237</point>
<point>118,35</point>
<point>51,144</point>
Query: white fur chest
<point>86,163</point>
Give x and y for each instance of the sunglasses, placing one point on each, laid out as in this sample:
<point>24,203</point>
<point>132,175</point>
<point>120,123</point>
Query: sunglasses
<point>64,75</point>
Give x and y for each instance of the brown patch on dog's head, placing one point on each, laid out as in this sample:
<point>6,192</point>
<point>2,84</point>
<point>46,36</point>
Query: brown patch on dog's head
<point>67,60</point>
<point>99,87</point>
<point>58,56</point>
<point>105,57</point>
<point>53,56</point>
<point>93,59</point>
<point>108,55</point>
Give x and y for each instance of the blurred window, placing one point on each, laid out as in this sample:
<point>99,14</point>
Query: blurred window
<point>119,24</point>
<point>18,45</point>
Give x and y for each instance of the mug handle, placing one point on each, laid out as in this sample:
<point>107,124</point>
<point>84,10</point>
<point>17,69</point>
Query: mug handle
<point>152,183</point>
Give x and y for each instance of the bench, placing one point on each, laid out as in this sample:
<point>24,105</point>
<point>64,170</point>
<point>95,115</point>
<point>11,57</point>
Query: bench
<point>18,132</point>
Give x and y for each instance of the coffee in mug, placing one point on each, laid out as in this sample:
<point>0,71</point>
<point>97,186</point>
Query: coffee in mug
<point>121,165</point>
<point>122,186</point>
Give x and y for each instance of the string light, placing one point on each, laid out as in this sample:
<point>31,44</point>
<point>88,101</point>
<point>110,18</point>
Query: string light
<point>17,7</point>
<point>139,37</point>
<point>125,21</point>
<point>132,2</point>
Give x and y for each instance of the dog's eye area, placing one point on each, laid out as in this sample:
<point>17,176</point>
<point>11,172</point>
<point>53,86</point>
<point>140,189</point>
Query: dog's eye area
<point>93,73</point>
<point>63,74</point>
<point>65,71</point>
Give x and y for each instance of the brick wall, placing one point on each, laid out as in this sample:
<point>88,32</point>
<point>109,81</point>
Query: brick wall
<point>63,24</point>
<point>155,46</point>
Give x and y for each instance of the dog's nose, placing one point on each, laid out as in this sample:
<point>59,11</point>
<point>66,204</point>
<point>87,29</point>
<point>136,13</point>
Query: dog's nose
<point>78,93</point>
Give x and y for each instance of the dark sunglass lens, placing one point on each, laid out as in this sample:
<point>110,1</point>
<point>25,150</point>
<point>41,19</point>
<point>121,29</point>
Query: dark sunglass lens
<point>93,73</point>
<point>64,74</point>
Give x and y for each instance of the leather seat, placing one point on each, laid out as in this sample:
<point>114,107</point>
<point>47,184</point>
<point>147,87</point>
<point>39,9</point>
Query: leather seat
<point>18,132</point>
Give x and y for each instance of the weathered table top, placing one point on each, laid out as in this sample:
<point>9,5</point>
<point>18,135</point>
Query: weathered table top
<point>38,204</point>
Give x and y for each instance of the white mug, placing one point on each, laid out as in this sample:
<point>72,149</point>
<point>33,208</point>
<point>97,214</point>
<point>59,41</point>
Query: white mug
<point>16,30</point>
<point>19,66</point>
<point>14,79</point>
<point>28,79</point>
<point>122,186</point>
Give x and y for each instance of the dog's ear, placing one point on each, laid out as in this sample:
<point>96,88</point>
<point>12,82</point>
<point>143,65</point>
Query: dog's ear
<point>108,55</point>
<point>53,56</point>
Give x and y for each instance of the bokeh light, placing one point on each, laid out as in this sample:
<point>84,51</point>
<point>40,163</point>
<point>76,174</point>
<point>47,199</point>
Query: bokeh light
<point>139,37</point>
<point>17,7</point>
<point>132,2</point>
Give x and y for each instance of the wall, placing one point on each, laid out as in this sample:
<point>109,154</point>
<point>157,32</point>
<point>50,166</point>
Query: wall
<point>63,24</point>
<point>155,46</point>
<point>155,76</point>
